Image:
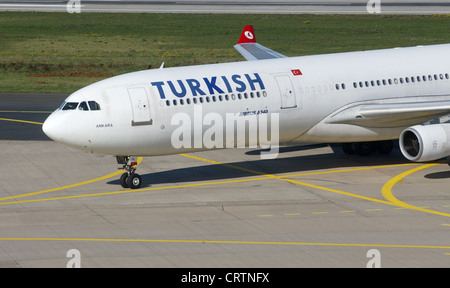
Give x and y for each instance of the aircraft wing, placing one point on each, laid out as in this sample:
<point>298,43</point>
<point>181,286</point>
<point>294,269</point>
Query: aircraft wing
<point>251,50</point>
<point>391,115</point>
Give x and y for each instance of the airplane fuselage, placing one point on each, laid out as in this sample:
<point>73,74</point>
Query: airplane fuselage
<point>136,110</point>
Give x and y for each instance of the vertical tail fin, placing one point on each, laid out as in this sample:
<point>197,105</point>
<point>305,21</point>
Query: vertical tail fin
<point>251,50</point>
<point>248,35</point>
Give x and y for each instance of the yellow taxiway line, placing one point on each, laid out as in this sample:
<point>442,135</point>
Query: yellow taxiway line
<point>224,242</point>
<point>21,121</point>
<point>386,190</point>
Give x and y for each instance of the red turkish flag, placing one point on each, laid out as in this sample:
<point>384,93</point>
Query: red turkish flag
<point>296,72</point>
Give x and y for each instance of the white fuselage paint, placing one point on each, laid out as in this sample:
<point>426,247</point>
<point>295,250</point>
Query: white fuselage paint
<point>127,124</point>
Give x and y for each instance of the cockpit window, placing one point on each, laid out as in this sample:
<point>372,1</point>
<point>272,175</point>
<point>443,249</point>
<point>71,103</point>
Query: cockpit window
<point>94,105</point>
<point>62,105</point>
<point>83,106</point>
<point>70,106</point>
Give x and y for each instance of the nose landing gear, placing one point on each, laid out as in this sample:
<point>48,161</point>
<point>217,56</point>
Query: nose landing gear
<point>129,179</point>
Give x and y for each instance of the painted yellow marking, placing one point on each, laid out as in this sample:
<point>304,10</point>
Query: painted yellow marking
<point>290,180</point>
<point>339,192</point>
<point>59,188</point>
<point>348,211</point>
<point>226,242</point>
<point>291,214</point>
<point>22,121</point>
<point>347,170</point>
<point>387,191</point>
<point>370,210</point>
<point>320,213</point>
<point>446,224</point>
<point>125,191</point>
<point>228,165</point>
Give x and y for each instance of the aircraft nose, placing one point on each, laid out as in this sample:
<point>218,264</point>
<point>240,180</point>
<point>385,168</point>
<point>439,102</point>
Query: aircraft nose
<point>54,129</point>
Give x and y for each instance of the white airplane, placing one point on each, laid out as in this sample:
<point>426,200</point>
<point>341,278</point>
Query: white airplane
<point>363,99</point>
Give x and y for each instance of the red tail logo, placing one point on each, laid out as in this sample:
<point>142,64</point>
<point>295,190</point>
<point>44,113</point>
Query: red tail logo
<point>248,35</point>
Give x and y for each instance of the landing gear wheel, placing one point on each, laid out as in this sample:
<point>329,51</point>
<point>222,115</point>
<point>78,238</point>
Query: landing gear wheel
<point>364,148</point>
<point>348,148</point>
<point>123,180</point>
<point>385,147</point>
<point>129,179</point>
<point>134,181</point>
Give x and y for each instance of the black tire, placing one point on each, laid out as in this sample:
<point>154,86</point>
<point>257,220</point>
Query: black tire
<point>385,147</point>
<point>364,148</point>
<point>348,148</point>
<point>123,180</point>
<point>134,181</point>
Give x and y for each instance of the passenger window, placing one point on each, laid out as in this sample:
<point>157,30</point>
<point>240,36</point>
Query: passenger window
<point>70,106</point>
<point>93,105</point>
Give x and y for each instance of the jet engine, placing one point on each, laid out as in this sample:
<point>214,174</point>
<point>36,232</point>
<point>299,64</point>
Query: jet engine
<point>426,143</point>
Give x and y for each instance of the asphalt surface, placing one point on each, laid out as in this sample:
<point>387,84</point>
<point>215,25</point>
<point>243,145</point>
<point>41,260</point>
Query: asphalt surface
<point>26,107</point>
<point>310,207</point>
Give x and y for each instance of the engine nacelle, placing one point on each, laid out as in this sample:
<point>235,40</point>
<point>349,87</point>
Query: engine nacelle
<point>426,143</point>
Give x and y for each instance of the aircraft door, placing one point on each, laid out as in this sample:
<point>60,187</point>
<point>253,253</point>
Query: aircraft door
<point>140,106</point>
<point>287,92</point>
